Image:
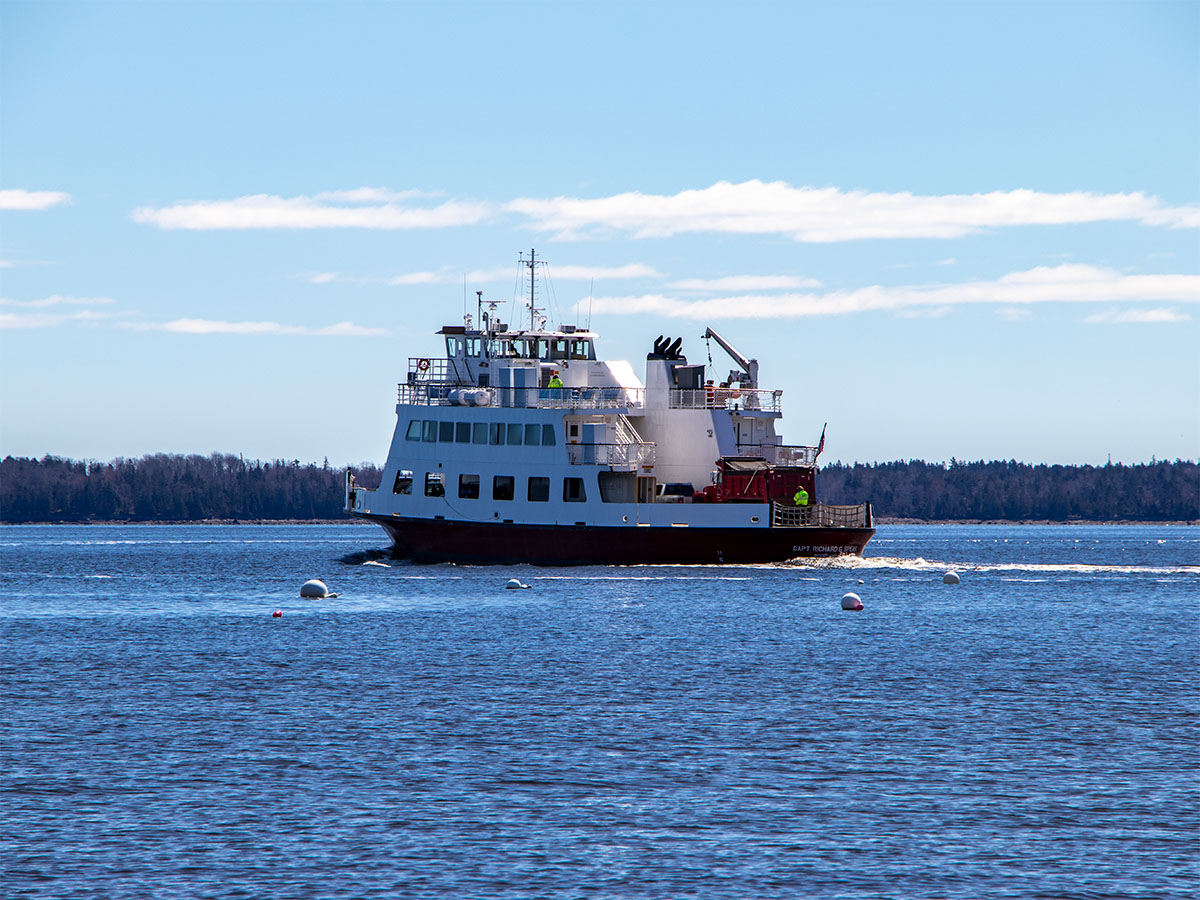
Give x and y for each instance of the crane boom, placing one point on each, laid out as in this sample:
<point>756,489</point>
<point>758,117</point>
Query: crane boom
<point>749,366</point>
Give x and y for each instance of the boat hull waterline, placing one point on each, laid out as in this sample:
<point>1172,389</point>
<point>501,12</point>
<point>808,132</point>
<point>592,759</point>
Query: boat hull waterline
<point>493,543</point>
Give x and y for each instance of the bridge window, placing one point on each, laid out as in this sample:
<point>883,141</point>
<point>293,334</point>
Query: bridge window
<point>582,349</point>
<point>533,435</point>
<point>548,436</point>
<point>462,433</point>
<point>514,435</point>
<point>474,346</point>
<point>429,432</point>
<point>414,430</point>
<point>446,432</point>
<point>454,346</point>
<point>479,433</point>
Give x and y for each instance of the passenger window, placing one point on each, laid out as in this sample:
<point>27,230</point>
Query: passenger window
<point>502,487</point>
<point>548,436</point>
<point>429,433</point>
<point>539,489</point>
<point>403,483</point>
<point>468,487</point>
<point>573,490</point>
<point>435,484</point>
<point>496,433</point>
<point>479,433</point>
<point>533,435</point>
<point>414,430</point>
<point>462,433</point>
<point>446,432</point>
<point>514,435</point>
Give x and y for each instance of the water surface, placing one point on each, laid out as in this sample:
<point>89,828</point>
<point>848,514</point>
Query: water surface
<point>612,732</point>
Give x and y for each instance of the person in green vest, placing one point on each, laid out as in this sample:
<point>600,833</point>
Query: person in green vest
<point>555,381</point>
<point>801,497</point>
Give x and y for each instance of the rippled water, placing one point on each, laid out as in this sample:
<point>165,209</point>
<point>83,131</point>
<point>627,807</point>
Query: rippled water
<point>611,732</point>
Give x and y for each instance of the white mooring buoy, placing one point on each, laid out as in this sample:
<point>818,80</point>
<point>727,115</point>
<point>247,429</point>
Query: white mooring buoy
<point>515,585</point>
<point>315,589</point>
<point>950,578</point>
<point>852,601</point>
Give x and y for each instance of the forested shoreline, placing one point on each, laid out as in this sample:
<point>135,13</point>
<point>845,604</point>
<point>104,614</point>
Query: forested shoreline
<point>178,488</point>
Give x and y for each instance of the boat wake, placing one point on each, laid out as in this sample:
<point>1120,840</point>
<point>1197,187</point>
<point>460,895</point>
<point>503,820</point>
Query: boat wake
<point>919,564</point>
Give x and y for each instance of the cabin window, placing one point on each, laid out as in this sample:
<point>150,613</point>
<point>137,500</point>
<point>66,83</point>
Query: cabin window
<point>533,435</point>
<point>479,433</point>
<point>559,348</point>
<point>474,346</point>
<point>435,484</point>
<point>454,346</point>
<point>403,483</point>
<point>462,433</point>
<point>548,436</point>
<point>414,430</point>
<point>539,489</point>
<point>429,432</point>
<point>496,433</point>
<point>468,487</point>
<point>514,435</point>
<point>502,487</point>
<point>581,349</point>
<point>446,432</point>
<point>618,487</point>
<point>573,490</point>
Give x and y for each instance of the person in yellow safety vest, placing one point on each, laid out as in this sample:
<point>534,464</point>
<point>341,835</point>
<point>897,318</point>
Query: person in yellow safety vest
<point>555,381</point>
<point>801,497</point>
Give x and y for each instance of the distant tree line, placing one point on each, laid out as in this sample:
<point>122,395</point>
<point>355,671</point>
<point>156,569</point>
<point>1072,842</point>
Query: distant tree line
<point>167,488</point>
<point>1158,491</point>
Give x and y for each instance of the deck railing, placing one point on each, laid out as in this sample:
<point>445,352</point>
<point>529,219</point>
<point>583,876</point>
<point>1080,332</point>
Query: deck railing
<point>780,454</point>
<point>785,515</point>
<point>726,398</point>
<point>622,455</point>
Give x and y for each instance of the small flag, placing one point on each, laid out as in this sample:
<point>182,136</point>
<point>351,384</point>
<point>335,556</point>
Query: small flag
<point>821,443</point>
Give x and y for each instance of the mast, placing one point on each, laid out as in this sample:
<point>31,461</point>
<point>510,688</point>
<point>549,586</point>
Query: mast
<point>534,309</point>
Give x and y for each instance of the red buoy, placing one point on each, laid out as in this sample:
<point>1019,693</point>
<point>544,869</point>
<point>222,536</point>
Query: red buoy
<point>278,614</point>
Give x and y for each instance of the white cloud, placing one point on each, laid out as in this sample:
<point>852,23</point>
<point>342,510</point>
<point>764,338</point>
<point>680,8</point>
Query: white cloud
<point>215,326</point>
<point>16,198</point>
<point>1065,283</point>
<point>821,215</point>
<point>1148,316</point>
<point>6,263</point>
<point>50,320</point>
<point>321,277</point>
<point>58,300</point>
<point>1013,313</point>
<point>745,283</point>
<point>361,208</point>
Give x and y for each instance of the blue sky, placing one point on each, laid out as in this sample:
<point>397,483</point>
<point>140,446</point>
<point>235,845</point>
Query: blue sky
<point>949,230</point>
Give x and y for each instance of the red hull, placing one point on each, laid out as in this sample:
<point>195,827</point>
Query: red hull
<point>439,540</point>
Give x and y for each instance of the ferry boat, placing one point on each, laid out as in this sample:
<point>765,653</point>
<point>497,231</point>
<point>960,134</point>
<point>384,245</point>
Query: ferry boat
<point>525,446</point>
